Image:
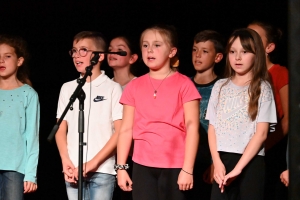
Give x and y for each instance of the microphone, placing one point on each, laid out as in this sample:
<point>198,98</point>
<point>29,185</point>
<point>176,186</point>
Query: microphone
<point>120,53</point>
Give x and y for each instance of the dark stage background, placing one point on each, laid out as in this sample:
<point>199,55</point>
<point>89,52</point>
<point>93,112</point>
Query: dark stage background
<point>49,26</point>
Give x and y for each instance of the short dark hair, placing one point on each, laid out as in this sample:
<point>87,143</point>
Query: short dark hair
<point>213,36</point>
<point>97,37</point>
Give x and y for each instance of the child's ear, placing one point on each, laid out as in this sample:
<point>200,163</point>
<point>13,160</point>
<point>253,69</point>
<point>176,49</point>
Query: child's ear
<point>133,58</point>
<point>173,52</point>
<point>20,61</point>
<point>219,57</point>
<point>270,47</point>
<point>101,58</point>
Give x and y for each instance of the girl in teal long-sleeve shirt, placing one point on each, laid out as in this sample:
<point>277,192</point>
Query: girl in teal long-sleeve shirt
<point>19,122</point>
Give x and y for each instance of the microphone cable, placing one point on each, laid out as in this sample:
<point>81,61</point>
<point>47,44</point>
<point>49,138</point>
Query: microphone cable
<point>87,130</point>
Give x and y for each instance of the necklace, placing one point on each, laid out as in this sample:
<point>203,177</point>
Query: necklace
<point>155,90</point>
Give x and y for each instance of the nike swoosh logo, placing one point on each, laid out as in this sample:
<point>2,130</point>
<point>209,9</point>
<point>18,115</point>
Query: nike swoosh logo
<point>99,98</point>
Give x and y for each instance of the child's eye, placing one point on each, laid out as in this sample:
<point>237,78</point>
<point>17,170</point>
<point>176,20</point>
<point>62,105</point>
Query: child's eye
<point>194,49</point>
<point>120,50</point>
<point>205,51</point>
<point>83,49</point>
<point>231,51</point>
<point>157,45</point>
<point>145,45</point>
<point>109,49</point>
<point>245,51</point>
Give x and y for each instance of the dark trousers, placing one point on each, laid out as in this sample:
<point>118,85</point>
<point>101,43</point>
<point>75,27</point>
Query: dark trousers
<point>151,183</point>
<point>249,185</point>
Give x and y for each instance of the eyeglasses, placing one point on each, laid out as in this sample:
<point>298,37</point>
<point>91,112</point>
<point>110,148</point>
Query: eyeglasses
<point>82,52</point>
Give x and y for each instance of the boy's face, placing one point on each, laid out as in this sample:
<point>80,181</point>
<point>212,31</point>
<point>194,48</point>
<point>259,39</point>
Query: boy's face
<point>204,56</point>
<point>86,46</point>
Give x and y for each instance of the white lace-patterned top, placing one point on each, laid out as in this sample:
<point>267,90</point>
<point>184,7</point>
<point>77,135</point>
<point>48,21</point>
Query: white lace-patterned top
<point>228,113</point>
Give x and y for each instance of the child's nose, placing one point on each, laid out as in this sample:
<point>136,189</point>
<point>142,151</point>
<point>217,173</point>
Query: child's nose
<point>238,56</point>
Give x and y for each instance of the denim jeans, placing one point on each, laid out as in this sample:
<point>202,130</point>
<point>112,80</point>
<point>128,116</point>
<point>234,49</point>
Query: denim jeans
<point>11,185</point>
<point>97,186</point>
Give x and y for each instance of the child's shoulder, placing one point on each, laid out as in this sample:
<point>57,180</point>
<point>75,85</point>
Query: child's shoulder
<point>278,68</point>
<point>265,85</point>
<point>28,90</point>
<point>220,82</point>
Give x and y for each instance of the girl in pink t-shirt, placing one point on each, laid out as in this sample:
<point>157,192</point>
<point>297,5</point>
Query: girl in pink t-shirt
<point>161,115</point>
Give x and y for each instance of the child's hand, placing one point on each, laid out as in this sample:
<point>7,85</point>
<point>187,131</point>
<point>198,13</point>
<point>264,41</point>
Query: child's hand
<point>29,187</point>
<point>185,181</point>
<point>208,175</point>
<point>231,176</point>
<point>87,167</point>
<point>68,170</point>
<point>124,180</point>
<point>219,173</point>
<point>284,177</point>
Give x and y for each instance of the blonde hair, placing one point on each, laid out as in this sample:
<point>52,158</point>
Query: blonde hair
<point>169,34</point>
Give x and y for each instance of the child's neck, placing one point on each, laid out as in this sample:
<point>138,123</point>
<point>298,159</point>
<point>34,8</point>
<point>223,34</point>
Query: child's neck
<point>161,73</point>
<point>242,80</point>
<point>269,63</point>
<point>122,75</point>
<point>10,84</point>
<point>205,77</point>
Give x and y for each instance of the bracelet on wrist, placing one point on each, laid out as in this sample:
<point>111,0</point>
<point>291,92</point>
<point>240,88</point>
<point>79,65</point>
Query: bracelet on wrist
<point>187,172</point>
<point>121,167</point>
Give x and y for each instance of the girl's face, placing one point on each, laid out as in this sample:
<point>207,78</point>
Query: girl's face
<point>240,60</point>
<point>116,61</point>
<point>156,52</point>
<point>9,62</point>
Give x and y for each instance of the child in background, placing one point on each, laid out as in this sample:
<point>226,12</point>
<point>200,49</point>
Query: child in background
<point>208,50</point>
<point>240,109</point>
<point>122,66</point>
<point>19,122</point>
<point>161,114</point>
<point>276,142</point>
<point>102,123</point>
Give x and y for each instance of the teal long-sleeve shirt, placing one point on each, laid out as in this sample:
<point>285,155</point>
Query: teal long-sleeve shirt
<point>19,131</point>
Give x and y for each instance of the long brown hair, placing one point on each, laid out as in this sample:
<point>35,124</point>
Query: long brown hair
<point>20,46</point>
<point>251,42</point>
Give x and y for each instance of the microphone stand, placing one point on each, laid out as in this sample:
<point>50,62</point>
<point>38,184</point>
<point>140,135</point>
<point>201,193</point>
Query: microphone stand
<point>78,93</point>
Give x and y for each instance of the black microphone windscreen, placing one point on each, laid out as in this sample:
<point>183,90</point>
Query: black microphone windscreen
<point>123,53</point>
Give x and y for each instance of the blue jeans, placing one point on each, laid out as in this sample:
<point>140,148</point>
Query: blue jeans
<point>97,186</point>
<point>11,185</point>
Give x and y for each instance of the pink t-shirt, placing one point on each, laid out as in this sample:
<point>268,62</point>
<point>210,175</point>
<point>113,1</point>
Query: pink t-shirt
<point>159,129</point>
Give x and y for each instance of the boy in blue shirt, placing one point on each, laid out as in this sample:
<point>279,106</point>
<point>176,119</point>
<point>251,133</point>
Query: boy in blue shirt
<point>207,52</point>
